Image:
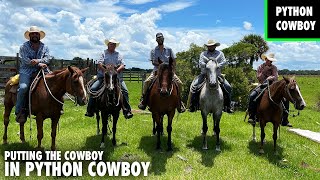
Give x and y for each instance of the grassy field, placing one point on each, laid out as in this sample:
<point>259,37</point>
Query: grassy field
<point>239,159</point>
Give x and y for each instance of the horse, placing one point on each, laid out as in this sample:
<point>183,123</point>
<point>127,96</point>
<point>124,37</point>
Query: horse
<point>109,102</point>
<point>270,108</point>
<point>211,101</point>
<point>47,103</point>
<point>163,100</point>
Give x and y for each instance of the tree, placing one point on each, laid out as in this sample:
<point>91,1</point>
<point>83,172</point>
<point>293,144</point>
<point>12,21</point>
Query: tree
<point>259,43</point>
<point>239,53</point>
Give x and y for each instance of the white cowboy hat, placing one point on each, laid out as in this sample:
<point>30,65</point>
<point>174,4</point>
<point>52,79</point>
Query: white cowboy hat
<point>270,57</point>
<point>212,43</point>
<point>112,40</point>
<point>34,29</point>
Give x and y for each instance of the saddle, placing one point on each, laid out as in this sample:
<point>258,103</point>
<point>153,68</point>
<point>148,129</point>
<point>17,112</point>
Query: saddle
<point>15,83</point>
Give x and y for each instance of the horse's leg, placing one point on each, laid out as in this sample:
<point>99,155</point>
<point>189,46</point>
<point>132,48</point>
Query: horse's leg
<point>6,118</point>
<point>161,120</point>
<point>262,126</point>
<point>22,132</point>
<point>204,130</point>
<point>114,127</point>
<point>216,121</point>
<point>54,123</point>
<point>169,129</point>
<point>104,117</point>
<point>39,120</point>
<point>154,130</point>
<point>275,130</point>
<point>254,138</point>
<point>157,119</point>
<point>98,121</point>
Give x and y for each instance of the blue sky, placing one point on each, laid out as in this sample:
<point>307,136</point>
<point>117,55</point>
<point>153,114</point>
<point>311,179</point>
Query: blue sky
<point>79,27</point>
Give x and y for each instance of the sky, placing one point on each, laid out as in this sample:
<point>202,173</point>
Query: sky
<point>78,28</point>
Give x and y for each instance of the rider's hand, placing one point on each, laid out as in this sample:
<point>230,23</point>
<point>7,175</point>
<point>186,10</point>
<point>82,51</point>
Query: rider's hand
<point>42,65</point>
<point>34,62</point>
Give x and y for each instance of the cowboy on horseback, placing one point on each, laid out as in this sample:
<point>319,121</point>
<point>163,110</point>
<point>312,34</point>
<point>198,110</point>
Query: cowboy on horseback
<point>266,73</point>
<point>33,55</point>
<point>197,83</point>
<point>162,53</point>
<point>110,56</point>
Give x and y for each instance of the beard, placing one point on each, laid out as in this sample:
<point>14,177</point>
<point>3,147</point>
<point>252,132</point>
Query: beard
<point>35,39</point>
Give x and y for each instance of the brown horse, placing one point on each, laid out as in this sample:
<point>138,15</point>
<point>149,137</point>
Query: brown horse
<point>163,99</point>
<point>270,107</point>
<point>109,102</point>
<point>43,105</point>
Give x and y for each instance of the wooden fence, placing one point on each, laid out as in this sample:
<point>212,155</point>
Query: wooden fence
<point>9,67</point>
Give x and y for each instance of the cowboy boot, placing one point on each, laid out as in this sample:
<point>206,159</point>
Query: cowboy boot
<point>193,102</point>
<point>142,104</point>
<point>90,107</point>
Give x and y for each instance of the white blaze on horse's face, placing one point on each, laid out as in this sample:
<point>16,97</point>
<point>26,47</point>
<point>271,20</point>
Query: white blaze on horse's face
<point>211,69</point>
<point>301,101</point>
<point>111,86</point>
<point>83,89</point>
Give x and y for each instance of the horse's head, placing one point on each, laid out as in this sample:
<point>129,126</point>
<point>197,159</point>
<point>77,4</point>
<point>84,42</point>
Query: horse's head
<point>75,85</point>
<point>211,73</point>
<point>293,94</point>
<point>110,77</point>
<point>165,75</point>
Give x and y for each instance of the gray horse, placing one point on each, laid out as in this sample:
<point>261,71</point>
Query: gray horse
<point>211,101</point>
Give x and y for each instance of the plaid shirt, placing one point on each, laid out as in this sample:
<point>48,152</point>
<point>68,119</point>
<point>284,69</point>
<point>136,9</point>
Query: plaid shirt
<point>264,71</point>
<point>111,58</point>
<point>27,54</point>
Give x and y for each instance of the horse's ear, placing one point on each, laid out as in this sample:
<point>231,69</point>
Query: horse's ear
<point>286,79</point>
<point>84,70</point>
<point>70,69</point>
<point>160,62</point>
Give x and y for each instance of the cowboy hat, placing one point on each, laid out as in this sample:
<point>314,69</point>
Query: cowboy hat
<point>34,29</point>
<point>212,43</point>
<point>112,40</point>
<point>270,57</point>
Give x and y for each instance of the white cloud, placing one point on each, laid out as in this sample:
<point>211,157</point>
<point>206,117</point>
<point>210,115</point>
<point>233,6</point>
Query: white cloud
<point>139,1</point>
<point>247,25</point>
<point>175,6</point>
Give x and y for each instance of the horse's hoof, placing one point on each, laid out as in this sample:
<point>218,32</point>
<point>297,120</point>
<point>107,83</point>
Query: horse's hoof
<point>254,139</point>
<point>114,142</point>
<point>102,146</point>
<point>23,141</point>
<point>169,149</point>
<point>276,153</point>
<point>204,148</point>
<point>53,148</point>
<point>218,149</point>
<point>261,151</point>
<point>264,141</point>
<point>5,142</point>
<point>98,132</point>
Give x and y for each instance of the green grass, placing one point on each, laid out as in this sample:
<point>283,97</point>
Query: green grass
<point>239,158</point>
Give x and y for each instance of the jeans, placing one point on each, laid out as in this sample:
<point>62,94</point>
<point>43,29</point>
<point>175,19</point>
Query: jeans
<point>24,84</point>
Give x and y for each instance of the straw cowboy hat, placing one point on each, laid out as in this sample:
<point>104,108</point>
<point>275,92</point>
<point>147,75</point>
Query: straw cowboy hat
<point>34,29</point>
<point>270,57</point>
<point>112,40</point>
<point>212,43</point>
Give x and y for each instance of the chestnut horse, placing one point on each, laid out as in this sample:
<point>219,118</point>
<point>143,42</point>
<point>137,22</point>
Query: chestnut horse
<point>109,102</point>
<point>270,107</point>
<point>163,99</point>
<point>43,105</point>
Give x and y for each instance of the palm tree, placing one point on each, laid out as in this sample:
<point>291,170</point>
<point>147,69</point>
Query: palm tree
<point>259,43</point>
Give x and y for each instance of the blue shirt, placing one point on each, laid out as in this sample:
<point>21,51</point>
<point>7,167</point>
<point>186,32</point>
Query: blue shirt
<point>164,55</point>
<point>27,54</point>
<point>111,58</point>
<point>216,54</point>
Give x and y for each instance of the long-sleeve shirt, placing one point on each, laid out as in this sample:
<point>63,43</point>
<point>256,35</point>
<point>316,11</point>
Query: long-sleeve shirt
<point>163,56</point>
<point>218,55</point>
<point>111,58</point>
<point>264,71</point>
<point>26,54</point>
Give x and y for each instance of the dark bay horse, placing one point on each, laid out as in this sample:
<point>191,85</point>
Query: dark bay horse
<point>163,99</point>
<point>211,101</point>
<point>43,105</point>
<point>270,107</point>
<point>109,102</point>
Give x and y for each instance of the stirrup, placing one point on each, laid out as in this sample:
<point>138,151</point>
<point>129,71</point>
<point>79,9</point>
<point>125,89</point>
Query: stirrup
<point>142,106</point>
<point>181,108</point>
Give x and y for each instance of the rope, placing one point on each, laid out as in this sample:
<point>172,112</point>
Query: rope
<point>97,93</point>
<point>45,82</point>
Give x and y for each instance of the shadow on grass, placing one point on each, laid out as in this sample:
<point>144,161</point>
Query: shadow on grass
<point>269,153</point>
<point>208,156</point>
<point>158,157</point>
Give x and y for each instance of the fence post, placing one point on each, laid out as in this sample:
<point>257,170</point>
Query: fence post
<point>130,74</point>
<point>17,63</point>
<point>61,61</point>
